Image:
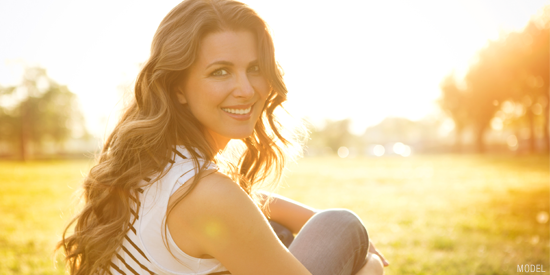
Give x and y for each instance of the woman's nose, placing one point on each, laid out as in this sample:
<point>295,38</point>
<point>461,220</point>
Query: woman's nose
<point>243,87</point>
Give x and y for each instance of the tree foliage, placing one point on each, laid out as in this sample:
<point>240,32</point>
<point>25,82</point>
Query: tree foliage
<point>513,68</point>
<point>334,134</point>
<point>38,110</point>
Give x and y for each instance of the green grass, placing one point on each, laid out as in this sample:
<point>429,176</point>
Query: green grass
<point>35,200</point>
<point>439,214</point>
<point>427,214</point>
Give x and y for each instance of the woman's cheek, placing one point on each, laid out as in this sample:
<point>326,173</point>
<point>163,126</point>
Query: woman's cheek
<point>261,86</point>
<point>217,92</point>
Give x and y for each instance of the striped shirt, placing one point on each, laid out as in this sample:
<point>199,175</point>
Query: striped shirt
<point>144,250</point>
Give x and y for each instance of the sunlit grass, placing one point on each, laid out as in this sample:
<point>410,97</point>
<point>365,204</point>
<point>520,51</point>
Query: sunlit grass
<point>439,214</point>
<point>34,207</point>
<point>427,214</point>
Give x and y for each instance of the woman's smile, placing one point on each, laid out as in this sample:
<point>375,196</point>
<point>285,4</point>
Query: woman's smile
<point>239,112</point>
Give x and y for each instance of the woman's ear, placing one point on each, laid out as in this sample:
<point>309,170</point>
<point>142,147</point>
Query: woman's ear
<point>181,96</point>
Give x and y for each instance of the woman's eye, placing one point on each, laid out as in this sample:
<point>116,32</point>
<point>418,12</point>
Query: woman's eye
<point>220,72</point>
<point>254,69</point>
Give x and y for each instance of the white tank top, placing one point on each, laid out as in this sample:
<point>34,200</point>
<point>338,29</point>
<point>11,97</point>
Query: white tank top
<point>143,250</point>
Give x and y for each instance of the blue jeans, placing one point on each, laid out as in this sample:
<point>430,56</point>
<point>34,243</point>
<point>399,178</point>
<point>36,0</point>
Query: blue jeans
<point>332,242</point>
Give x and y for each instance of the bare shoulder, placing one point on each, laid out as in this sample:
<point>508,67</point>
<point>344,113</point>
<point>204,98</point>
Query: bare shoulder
<point>217,185</point>
<point>202,216</point>
<point>214,190</point>
<point>218,219</point>
<point>215,201</point>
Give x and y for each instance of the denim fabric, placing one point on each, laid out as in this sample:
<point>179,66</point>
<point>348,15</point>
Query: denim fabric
<point>332,242</point>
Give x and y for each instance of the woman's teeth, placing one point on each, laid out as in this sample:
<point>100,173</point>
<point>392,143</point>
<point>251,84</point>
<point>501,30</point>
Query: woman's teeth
<point>238,111</point>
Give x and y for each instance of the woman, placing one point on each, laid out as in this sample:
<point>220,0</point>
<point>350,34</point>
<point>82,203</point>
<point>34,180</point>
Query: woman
<point>163,200</point>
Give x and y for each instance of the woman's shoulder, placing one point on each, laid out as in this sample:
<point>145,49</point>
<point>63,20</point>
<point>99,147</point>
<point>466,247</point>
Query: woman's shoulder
<point>212,190</point>
<point>210,209</point>
<point>214,197</point>
<point>220,220</point>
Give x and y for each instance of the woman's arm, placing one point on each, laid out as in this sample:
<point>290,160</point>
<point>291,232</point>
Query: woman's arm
<point>291,214</point>
<point>219,219</point>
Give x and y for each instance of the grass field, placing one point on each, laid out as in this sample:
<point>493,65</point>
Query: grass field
<point>427,214</point>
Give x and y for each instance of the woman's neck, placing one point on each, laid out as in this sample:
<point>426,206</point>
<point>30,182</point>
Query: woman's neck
<point>216,141</point>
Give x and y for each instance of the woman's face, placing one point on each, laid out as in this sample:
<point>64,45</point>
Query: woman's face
<point>225,88</point>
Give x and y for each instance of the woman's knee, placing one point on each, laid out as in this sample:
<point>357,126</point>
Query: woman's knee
<point>345,219</point>
<point>335,234</point>
<point>340,216</point>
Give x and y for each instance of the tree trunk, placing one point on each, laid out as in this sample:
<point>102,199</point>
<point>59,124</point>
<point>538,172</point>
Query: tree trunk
<point>458,139</point>
<point>532,138</point>
<point>24,135</point>
<point>545,129</point>
<point>480,143</point>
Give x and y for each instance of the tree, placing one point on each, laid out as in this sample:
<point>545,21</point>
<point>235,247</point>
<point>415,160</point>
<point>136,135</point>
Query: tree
<point>454,103</point>
<point>488,83</point>
<point>36,110</point>
<point>334,134</point>
<point>533,81</point>
<point>513,68</point>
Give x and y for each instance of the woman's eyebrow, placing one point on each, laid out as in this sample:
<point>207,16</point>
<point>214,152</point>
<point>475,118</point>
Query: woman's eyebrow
<point>227,63</point>
<point>221,62</point>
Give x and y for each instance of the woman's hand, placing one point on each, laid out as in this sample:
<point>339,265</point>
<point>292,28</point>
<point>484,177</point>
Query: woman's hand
<point>291,214</point>
<point>373,250</point>
<point>294,215</point>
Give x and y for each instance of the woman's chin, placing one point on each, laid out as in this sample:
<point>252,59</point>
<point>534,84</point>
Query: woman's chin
<point>240,133</point>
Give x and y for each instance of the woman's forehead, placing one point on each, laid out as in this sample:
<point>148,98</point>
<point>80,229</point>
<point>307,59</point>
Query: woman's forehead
<point>230,46</point>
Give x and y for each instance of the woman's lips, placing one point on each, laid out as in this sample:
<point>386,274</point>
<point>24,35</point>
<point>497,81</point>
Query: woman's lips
<point>241,112</point>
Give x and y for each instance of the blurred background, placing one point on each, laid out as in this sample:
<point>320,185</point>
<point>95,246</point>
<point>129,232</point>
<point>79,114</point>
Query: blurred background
<point>372,78</point>
<point>426,117</point>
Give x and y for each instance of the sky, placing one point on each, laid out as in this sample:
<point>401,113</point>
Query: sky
<point>363,60</point>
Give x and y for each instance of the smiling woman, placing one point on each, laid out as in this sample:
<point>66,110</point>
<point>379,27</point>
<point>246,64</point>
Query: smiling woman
<point>225,89</point>
<point>162,199</point>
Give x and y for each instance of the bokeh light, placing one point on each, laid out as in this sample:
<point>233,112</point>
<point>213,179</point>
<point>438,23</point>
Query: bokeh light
<point>512,142</point>
<point>343,152</point>
<point>378,150</point>
<point>401,149</point>
<point>542,217</point>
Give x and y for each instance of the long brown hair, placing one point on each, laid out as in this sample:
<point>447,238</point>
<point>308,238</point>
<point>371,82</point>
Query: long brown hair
<point>141,145</point>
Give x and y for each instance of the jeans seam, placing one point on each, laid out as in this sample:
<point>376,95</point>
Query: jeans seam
<point>364,246</point>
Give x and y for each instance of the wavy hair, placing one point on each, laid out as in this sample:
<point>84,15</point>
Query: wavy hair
<point>154,122</point>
